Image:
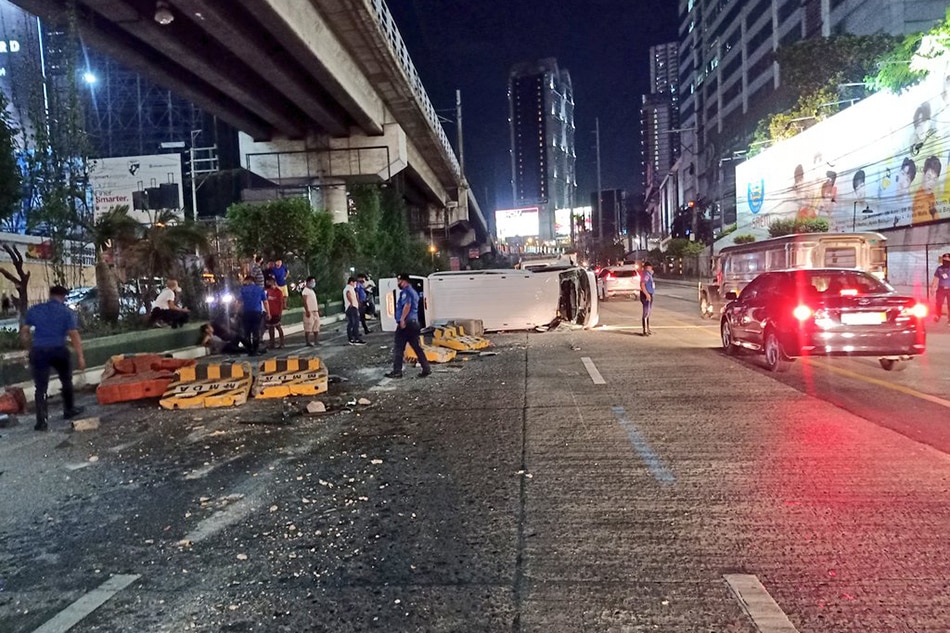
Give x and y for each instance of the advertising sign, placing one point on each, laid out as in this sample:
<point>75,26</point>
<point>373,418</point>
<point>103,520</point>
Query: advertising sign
<point>145,184</point>
<point>517,222</point>
<point>881,163</point>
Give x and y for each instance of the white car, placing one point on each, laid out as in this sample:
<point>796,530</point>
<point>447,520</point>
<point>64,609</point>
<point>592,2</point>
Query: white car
<point>613,281</point>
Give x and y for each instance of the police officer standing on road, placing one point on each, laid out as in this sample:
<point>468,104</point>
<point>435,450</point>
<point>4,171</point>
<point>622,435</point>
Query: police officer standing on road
<point>52,322</point>
<point>941,287</point>
<point>647,288</point>
<point>407,328</point>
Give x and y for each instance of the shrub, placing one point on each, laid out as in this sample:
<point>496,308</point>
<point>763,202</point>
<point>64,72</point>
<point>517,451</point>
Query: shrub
<point>748,238</point>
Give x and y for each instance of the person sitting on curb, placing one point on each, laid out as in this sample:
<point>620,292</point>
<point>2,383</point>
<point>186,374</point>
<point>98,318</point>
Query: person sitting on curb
<point>165,310</point>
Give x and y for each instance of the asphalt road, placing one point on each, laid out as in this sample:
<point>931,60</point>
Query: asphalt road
<point>575,481</point>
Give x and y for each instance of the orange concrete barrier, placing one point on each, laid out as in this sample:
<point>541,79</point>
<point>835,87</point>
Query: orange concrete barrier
<point>137,377</point>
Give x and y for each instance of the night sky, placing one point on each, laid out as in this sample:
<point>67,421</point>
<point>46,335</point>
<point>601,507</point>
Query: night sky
<point>603,43</point>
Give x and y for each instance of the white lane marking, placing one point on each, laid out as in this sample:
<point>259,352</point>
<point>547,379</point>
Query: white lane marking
<point>74,613</point>
<point>592,370</point>
<point>767,616</point>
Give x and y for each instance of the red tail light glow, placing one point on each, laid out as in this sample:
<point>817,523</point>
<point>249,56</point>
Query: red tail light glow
<point>802,313</point>
<point>919,310</point>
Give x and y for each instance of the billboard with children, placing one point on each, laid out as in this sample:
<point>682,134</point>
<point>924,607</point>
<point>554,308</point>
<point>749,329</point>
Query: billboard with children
<point>881,163</point>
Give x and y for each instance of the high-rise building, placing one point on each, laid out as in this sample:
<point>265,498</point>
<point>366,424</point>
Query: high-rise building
<point>659,115</point>
<point>728,76</point>
<point>541,116</point>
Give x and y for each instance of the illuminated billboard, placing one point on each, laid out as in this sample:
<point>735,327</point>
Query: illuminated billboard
<point>145,184</point>
<point>881,163</point>
<point>517,222</point>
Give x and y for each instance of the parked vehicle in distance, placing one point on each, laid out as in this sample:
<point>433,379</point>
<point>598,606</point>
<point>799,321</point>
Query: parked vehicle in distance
<point>735,266</point>
<point>501,299</point>
<point>823,312</point>
<point>614,281</point>
<point>86,299</point>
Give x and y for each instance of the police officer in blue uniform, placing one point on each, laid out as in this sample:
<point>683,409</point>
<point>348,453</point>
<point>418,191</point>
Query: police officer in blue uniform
<point>407,328</point>
<point>940,285</point>
<point>51,323</point>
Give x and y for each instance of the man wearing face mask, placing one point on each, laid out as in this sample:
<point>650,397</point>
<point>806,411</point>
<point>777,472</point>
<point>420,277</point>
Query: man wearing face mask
<point>941,287</point>
<point>407,328</point>
<point>311,312</point>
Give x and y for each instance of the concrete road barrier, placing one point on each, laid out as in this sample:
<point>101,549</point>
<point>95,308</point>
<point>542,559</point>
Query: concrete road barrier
<point>291,376</point>
<point>209,386</point>
<point>128,377</point>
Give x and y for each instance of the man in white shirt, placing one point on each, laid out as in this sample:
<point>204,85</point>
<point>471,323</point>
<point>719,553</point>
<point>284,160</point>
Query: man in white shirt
<point>351,304</point>
<point>311,312</point>
<point>165,310</point>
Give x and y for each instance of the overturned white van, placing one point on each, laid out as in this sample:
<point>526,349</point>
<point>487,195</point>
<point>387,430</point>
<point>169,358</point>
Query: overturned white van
<point>501,299</point>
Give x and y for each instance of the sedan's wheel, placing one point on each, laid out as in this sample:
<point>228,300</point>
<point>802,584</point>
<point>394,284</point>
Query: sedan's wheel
<point>775,358</point>
<point>728,344</point>
<point>892,364</point>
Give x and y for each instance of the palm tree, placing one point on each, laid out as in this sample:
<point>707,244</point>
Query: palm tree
<point>114,229</point>
<point>165,245</point>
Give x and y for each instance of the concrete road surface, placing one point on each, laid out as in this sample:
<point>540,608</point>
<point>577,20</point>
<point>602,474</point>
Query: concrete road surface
<point>575,481</point>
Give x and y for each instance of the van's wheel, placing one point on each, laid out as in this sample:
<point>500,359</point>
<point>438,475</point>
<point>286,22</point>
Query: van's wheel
<point>892,364</point>
<point>775,358</point>
<point>728,343</point>
<point>705,310</point>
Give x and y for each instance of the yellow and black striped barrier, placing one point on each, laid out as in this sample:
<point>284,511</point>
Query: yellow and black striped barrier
<point>434,354</point>
<point>207,386</point>
<point>292,376</point>
<point>454,337</point>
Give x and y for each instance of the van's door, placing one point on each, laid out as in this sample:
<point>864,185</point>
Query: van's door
<point>389,293</point>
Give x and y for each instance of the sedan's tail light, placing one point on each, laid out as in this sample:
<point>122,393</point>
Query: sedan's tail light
<point>918,310</point>
<point>802,313</point>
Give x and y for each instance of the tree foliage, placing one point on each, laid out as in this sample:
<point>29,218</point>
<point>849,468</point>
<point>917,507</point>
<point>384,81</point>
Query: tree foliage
<point>746,238</point>
<point>823,63</point>
<point>56,154</point>
<point>112,231</point>
<point>894,70</point>
<point>779,228</point>
<point>282,228</point>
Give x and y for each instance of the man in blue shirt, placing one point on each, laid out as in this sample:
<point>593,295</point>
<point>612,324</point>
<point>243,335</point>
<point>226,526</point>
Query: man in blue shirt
<point>407,328</point>
<point>279,272</point>
<point>52,322</point>
<point>647,287</point>
<point>253,309</point>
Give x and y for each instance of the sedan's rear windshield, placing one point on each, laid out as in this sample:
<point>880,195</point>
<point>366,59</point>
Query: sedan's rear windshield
<point>840,283</point>
<point>624,273</point>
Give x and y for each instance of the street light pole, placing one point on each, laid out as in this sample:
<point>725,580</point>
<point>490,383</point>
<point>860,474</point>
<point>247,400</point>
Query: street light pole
<point>854,214</point>
<point>600,197</point>
<point>191,164</point>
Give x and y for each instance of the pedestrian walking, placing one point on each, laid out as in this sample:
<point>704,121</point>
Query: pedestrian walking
<point>165,309</point>
<point>940,285</point>
<point>52,322</point>
<point>407,328</point>
<point>363,296</point>
<point>275,307</point>
<point>311,312</point>
<point>253,309</point>
<point>647,286</point>
<point>351,304</point>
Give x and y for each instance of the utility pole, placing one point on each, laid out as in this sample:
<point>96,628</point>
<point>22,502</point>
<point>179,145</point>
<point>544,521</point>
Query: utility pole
<point>600,201</point>
<point>458,123</point>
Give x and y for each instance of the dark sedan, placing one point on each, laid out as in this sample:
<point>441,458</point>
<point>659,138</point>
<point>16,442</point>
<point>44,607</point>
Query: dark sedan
<point>823,312</point>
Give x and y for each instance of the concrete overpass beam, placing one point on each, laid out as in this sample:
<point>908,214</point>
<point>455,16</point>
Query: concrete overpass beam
<point>309,39</point>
